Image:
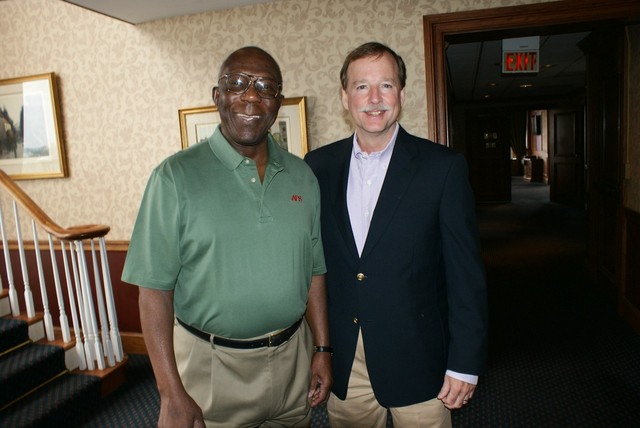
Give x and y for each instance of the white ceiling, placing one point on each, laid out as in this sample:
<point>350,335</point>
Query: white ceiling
<point>140,11</point>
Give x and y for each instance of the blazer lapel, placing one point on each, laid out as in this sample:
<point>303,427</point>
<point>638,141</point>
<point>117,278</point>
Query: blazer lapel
<point>399,175</point>
<point>339,203</point>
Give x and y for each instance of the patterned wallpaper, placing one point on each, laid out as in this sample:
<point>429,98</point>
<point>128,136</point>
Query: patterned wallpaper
<point>121,86</point>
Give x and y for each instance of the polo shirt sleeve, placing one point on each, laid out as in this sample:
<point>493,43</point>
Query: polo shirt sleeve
<point>153,257</point>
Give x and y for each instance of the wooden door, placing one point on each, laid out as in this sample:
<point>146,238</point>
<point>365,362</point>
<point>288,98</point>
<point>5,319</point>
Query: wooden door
<point>566,156</point>
<point>489,160</point>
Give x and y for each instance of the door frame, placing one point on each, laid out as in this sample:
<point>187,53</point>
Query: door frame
<point>555,13</point>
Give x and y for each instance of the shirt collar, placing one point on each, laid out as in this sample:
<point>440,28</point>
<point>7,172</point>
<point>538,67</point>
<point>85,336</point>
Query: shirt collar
<point>230,157</point>
<point>358,153</point>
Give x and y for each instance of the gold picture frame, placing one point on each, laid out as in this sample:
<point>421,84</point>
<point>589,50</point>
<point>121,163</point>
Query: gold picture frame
<point>289,129</point>
<point>31,143</point>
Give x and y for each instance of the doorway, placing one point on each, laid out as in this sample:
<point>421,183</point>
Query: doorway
<point>526,124</point>
<point>602,184</point>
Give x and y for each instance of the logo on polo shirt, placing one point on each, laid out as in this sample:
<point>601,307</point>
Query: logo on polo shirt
<point>296,198</point>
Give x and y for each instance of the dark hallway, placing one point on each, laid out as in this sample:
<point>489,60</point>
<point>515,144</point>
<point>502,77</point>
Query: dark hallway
<point>559,355</point>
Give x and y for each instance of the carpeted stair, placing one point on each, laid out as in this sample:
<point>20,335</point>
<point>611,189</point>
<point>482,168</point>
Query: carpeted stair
<point>36,389</point>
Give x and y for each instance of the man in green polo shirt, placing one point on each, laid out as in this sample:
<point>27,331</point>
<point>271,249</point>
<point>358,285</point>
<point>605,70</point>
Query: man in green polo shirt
<point>227,253</point>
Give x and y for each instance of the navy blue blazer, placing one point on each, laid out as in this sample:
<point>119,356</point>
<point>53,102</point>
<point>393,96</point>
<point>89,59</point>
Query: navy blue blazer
<point>418,291</point>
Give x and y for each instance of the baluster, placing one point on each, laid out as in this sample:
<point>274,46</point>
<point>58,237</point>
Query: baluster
<point>102,312</point>
<point>82,361</point>
<point>111,306</point>
<point>82,310</point>
<point>13,294</point>
<point>88,302</point>
<point>64,321</point>
<point>48,321</point>
<point>28,296</point>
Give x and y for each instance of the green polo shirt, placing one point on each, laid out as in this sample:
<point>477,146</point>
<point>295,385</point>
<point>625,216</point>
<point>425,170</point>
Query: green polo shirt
<point>239,254</point>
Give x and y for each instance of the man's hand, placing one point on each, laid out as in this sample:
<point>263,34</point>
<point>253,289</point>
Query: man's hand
<point>316,316</point>
<point>179,410</point>
<point>321,378</point>
<point>455,393</point>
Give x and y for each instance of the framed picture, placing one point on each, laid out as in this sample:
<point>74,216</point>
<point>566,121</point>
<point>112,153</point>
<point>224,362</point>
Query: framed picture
<point>31,143</point>
<point>289,129</point>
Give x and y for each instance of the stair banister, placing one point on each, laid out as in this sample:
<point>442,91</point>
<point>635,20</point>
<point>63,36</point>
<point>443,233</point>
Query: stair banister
<point>64,234</point>
<point>90,297</point>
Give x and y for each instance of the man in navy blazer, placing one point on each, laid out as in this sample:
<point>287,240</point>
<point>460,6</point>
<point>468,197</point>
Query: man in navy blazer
<point>405,279</point>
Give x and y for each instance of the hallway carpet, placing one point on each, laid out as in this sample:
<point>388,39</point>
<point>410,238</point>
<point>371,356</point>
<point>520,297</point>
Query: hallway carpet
<point>559,355</point>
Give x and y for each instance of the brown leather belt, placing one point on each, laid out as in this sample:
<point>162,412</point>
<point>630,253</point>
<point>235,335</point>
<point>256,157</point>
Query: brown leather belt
<point>276,339</point>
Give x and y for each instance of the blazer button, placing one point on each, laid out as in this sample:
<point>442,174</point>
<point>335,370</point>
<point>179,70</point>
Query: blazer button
<point>361,277</point>
<point>356,320</point>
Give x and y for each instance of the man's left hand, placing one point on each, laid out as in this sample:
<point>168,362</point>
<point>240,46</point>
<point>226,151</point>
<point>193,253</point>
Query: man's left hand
<point>455,393</point>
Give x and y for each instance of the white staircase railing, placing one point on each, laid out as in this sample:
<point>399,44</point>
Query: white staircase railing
<point>84,290</point>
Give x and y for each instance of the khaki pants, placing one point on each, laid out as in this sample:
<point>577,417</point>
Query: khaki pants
<point>247,387</point>
<point>361,409</point>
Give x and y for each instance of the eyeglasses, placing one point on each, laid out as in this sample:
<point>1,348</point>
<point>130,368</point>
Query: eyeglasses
<point>238,83</point>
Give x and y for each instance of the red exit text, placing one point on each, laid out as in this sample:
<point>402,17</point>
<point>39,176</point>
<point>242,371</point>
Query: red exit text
<point>520,62</point>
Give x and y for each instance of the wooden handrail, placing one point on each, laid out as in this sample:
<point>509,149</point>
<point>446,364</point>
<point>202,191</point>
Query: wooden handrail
<point>64,234</point>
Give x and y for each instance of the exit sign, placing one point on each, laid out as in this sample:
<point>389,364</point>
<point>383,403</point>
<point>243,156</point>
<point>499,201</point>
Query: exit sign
<point>520,55</point>
<point>519,62</point>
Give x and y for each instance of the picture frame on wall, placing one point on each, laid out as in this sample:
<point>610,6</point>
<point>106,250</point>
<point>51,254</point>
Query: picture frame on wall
<point>289,129</point>
<point>31,144</point>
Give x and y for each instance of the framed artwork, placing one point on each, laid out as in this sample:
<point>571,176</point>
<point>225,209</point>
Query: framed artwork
<point>197,124</point>
<point>289,129</point>
<point>31,143</point>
